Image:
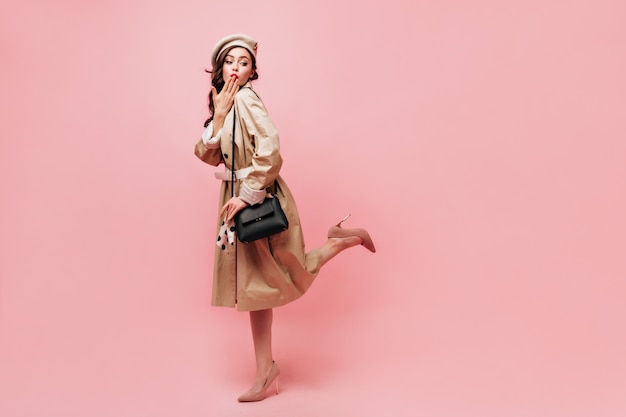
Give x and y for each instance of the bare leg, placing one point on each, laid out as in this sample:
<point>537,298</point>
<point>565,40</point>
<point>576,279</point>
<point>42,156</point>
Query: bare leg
<point>334,245</point>
<point>266,370</point>
<point>261,324</point>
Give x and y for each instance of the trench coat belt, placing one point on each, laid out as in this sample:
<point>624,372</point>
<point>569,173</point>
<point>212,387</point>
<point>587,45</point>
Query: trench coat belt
<point>239,174</point>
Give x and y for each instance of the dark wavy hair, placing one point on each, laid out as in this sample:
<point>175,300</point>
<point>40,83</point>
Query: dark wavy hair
<point>217,80</point>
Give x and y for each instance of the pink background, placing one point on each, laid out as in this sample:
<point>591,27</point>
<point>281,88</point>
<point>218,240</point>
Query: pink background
<point>482,144</point>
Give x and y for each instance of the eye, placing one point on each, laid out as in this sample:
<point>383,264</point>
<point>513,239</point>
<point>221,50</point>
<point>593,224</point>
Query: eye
<point>229,61</point>
<point>244,64</point>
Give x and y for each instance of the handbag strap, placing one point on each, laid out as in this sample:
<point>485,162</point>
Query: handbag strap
<point>232,188</point>
<point>232,156</point>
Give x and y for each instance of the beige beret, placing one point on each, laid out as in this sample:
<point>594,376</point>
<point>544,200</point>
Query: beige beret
<point>238,39</point>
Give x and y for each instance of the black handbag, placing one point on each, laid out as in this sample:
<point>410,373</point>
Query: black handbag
<point>259,220</point>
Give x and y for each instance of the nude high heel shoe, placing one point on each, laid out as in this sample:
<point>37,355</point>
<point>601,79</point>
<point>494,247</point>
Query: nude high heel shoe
<point>338,231</point>
<point>252,395</point>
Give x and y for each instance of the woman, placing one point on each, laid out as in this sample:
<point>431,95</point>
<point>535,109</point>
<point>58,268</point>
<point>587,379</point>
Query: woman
<point>270,272</point>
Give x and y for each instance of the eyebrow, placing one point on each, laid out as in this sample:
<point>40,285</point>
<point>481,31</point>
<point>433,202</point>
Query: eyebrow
<point>240,57</point>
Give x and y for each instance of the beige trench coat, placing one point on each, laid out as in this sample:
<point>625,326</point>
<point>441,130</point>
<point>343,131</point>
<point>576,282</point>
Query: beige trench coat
<point>268,272</point>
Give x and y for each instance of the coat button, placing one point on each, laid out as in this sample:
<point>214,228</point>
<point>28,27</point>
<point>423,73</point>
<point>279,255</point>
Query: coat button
<point>225,155</point>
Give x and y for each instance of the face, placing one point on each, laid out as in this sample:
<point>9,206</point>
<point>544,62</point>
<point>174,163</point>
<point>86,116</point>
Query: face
<point>239,62</point>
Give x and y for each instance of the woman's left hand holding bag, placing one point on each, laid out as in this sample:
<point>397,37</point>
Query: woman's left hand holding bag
<point>232,207</point>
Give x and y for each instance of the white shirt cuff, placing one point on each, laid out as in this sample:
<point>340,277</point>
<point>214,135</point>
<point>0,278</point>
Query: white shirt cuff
<point>251,196</point>
<point>208,139</point>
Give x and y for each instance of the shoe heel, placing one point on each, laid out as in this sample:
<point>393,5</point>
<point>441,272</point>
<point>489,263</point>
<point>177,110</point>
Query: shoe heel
<point>343,220</point>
